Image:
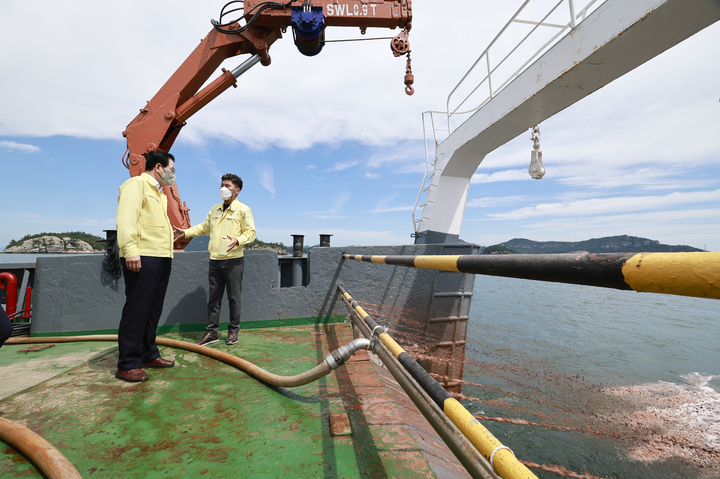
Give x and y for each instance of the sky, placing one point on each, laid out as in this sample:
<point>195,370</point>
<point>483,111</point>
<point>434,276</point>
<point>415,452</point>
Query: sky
<point>331,144</point>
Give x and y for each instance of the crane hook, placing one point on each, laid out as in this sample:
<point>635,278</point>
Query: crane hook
<point>409,78</point>
<point>400,45</point>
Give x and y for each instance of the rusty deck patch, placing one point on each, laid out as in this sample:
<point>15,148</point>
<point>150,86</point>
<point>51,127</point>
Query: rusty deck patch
<point>35,348</point>
<point>340,425</point>
<point>361,355</point>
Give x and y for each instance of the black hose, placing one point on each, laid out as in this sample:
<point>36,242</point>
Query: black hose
<point>258,9</point>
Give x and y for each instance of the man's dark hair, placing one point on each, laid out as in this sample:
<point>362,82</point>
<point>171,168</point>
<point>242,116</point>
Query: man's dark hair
<point>155,157</point>
<point>236,180</point>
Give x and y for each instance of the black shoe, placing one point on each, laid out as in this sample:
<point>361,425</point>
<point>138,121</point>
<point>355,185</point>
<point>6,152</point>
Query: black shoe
<point>232,338</point>
<point>208,338</point>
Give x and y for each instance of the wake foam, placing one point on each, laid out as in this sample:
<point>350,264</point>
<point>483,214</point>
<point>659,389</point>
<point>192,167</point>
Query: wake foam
<point>673,420</point>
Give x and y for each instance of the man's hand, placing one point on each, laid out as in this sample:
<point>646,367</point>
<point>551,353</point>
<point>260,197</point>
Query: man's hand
<point>179,233</point>
<point>233,243</point>
<point>133,263</point>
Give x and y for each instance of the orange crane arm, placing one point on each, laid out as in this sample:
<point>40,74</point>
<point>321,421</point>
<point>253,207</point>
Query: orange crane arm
<point>262,23</point>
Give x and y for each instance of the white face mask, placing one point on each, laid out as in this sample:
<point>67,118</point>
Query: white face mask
<point>168,177</point>
<point>225,193</point>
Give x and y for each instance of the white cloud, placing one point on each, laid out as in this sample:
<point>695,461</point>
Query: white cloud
<point>266,177</point>
<point>358,84</point>
<point>388,206</point>
<point>507,175</point>
<point>310,167</point>
<point>493,201</point>
<point>11,145</point>
<point>598,206</point>
<point>342,166</point>
<point>391,209</point>
<point>336,205</point>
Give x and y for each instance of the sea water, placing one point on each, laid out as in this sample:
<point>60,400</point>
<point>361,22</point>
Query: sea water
<point>600,382</point>
<point>11,258</point>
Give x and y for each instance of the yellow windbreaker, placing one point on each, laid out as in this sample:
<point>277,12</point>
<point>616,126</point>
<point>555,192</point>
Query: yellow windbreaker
<point>143,226</point>
<point>236,221</point>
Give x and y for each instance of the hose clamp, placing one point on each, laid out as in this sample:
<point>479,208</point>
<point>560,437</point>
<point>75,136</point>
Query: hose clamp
<point>492,456</point>
<point>382,330</point>
<point>332,361</point>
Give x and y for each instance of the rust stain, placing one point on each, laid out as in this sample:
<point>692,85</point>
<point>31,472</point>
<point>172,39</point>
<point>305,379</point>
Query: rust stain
<point>340,425</point>
<point>35,348</point>
<point>361,355</point>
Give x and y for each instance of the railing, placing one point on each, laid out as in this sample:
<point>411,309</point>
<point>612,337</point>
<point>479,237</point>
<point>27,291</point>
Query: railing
<point>491,74</point>
<point>428,165</point>
<point>532,35</point>
<point>476,448</point>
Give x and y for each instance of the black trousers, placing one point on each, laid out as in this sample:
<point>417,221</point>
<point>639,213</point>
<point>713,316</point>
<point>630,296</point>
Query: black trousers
<point>144,297</point>
<point>225,274</point>
<point>5,327</point>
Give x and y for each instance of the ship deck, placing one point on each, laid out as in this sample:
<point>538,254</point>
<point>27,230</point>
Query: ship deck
<point>203,418</point>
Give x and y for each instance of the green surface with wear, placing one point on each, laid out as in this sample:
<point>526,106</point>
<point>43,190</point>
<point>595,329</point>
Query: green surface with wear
<point>203,418</point>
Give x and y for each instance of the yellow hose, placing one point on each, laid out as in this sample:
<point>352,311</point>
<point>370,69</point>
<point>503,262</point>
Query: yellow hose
<point>322,369</point>
<point>49,460</point>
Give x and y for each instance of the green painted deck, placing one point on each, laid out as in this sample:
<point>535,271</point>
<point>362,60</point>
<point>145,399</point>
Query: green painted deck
<point>205,419</point>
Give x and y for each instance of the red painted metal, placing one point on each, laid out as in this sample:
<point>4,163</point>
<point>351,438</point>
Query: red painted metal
<point>28,299</point>
<point>160,121</point>
<point>10,284</point>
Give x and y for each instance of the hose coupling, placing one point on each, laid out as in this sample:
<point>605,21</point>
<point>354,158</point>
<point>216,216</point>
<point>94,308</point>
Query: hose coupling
<point>338,357</point>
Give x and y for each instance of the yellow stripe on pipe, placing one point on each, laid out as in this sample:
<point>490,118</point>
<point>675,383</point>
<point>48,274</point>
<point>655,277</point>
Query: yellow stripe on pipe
<point>378,259</point>
<point>390,343</point>
<point>444,263</point>
<point>358,309</point>
<point>507,466</point>
<point>685,274</point>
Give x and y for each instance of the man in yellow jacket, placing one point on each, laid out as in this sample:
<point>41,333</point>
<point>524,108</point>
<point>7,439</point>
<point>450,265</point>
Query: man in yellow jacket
<point>145,239</point>
<point>230,225</point>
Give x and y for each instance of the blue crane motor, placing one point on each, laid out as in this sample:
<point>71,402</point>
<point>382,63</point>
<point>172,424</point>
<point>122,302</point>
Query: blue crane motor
<point>308,30</point>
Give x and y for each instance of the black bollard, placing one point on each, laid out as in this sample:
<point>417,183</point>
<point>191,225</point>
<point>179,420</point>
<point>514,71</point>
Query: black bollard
<point>298,245</point>
<point>325,241</point>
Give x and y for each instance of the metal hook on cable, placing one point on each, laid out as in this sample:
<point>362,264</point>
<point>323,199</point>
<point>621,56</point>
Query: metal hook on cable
<point>409,78</point>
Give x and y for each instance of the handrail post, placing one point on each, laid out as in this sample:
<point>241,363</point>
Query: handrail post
<point>573,24</point>
<point>489,76</point>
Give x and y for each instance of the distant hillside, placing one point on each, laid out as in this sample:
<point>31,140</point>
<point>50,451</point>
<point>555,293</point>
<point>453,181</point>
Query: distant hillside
<point>498,249</point>
<point>609,244</point>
